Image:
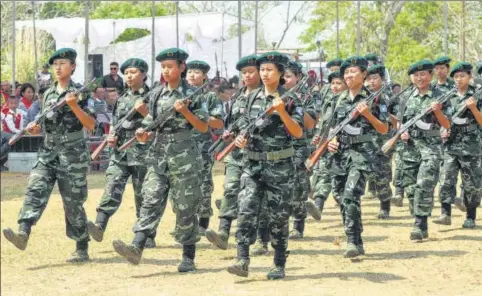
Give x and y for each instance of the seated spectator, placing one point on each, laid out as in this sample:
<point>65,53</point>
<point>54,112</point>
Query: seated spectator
<point>34,110</point>
<point>13,121</point>
<point>18,90</point>
<point>98,103</point>
<point>5,92</point>
<point>28,94</point>
<point>44,77</point>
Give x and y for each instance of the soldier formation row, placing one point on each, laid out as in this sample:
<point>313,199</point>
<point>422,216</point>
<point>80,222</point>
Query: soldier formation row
<point>276,135</point>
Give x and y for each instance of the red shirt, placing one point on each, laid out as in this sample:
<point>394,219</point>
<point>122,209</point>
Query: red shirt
<point>26,102</point>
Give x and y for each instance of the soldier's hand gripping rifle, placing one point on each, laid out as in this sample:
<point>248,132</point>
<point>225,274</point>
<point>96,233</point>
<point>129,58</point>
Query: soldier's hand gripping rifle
<point>50,112</point>
<point>353,114</point>
<point>253,123</point>
<point>456,117</point>
<point>392,100</point>
<point>235,124</point>
<point>161,119</point>
<point>390,144</point>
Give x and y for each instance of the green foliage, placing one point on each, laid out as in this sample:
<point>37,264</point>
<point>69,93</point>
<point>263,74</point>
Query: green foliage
<point>130,34</point>
<point>130,9</point>
<point>233,30</point>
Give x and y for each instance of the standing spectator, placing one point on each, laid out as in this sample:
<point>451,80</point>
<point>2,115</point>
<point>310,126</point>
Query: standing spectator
<point>113,81</point>
<point>44,77</point>
<point>13,121</point>
<point>98,103</point>
<point>27,93</point>
<point>34,110</point>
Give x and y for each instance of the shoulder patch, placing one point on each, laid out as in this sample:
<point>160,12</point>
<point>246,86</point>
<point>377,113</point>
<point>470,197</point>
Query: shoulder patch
<point>299,110</point>
<point>383,108</point>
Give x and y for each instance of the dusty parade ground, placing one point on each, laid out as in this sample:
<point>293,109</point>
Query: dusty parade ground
<point>449,263</point>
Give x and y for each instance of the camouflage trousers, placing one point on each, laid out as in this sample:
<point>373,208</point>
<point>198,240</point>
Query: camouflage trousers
<point>350,186</point>
<point>471,170</point>
<point>70,172</point>
<point>272,181</point>
<point>321,182</point>
<point>116,178</point>
<point>302,186</point>
<point>398,173</point>
<point>207,187</point>
<point>232,180</point>
<point>185,194</point>
<point>379,181</point>
<point>419,180</point>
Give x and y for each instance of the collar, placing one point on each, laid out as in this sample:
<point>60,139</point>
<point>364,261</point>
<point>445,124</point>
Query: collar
<point>427,94</point>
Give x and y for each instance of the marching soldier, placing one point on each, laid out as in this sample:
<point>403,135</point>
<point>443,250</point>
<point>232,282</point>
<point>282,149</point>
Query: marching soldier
<point>211,104</point>
<point>62,157</point>
<point>427,143</point>
<point>355,156</point>
<point>234,161</point>
<point>268,169</point>
<point>442,70</point>
<point>462,149</point>
<point>174,162</point>
<point>130,162</point>
<point>372,59</point>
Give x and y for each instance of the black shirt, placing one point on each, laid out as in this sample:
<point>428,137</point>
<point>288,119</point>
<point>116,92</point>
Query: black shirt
<point>109,82</point>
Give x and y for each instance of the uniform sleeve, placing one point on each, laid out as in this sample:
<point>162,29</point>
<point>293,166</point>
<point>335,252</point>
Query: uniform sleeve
<point>381,109</point>
<point>84,99</point>
<point>309,106</point>
<point>215,106</point>
<point>296,111</point>
<point>199,107</point>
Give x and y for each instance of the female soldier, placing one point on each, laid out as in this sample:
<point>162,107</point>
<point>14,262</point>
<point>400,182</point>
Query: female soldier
<point>268,169</point>
<point>355,156</point>
<point>130,162</point>
<point>462,149</point>
<point>234,161</point>
<point>174,162</point>
<point>63,157</point>
<point>196,76</point>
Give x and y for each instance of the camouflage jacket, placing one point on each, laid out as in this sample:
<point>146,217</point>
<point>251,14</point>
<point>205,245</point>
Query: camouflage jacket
<point>445,87</point>
<point>135,155</point>
<point>306,101</point>
<point>428,145</point>
<point>364,154</point>
<point>166,153</point>
<point>465,138</point>
<point>213,106</point>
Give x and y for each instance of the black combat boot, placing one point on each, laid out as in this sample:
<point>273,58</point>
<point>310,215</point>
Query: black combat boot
<point>97,229</point>
<point>384,210</point>
<point>261,245</point>
<point>298,229</point>
<point>20,239</point>
<point>315,209</point>
<point>81,253</point>
<point>277,271</point>
<point>220,238</point>
<point>352,250</point>
<point>203,225</point>
<point>241,266</point>
<point>469,222</point>
<point>359,244</point>
<point>446,217</point>
<point>188,254</point>
<point>132,252</point>
<point>417,232</point>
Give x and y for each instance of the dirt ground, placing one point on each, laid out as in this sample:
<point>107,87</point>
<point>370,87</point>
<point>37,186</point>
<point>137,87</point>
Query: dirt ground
<point>449,263</point>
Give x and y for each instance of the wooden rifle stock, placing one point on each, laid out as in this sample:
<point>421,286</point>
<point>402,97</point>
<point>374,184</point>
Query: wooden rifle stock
<point>226,151</point>
<point>315,156</point>
<point>98,150</point>
<point>128,144</point>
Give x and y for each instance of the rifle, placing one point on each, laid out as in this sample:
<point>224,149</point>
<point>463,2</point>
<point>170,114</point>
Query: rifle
<point>162,119</point>
<point>388,146</point>
<point>246,130</point>
<point>390,101</point>
<point>456,117</point>
<point>321,149</point>
<point>217,69</point>
<point>49,112</point>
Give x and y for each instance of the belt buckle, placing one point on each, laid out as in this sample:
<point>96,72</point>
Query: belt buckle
<point>274,155</point>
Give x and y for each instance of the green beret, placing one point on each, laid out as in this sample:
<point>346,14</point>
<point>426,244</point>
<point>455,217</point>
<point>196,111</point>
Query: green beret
<point>355,61</point>
<point>479,68</point>
<point>462,66</point>
<point>246,62</point>
<point>134,63</point>
<point>377,69</point>
<point>422,65</point>
<point>174,53</point>
<point>335,62</point>
<point>442,61</point>
<point>272,57</point>
<point>333,75</point>
<point>199,65</point>
<point>371,57</point>
<point>295,66</point>
<point>63,53</point>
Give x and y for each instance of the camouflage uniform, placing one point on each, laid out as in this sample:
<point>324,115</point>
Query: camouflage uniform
<point>427,144</point>
<point>356,159</point>
<point>462,153</point>
<point>267,175</point>
<point>124,164</point>
<point>63,157</point>
<point>213,106</point>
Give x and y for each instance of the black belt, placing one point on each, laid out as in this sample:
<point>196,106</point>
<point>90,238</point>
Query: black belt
<point>345,139</point>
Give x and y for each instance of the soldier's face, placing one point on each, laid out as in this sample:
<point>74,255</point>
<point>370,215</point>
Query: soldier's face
<point>354,77</point>
<point>195,77</point>
<point>171,70</point>
<point>462,79</point>
<point>269,73</point>
<point>334,69</point>
<point>374,82</point>
<point>134,77</point>
<point>422,79</point>
<point>290,79</point>
<point>337,85</point>
<point>442,71</point>
<point>250,76</point>
<point>63,68</point>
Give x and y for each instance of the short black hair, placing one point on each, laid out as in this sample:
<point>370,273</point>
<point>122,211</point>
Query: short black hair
<point>395,85</point>
<point>224,87</point>
<point>26,86</point>
<point>114,64</point>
